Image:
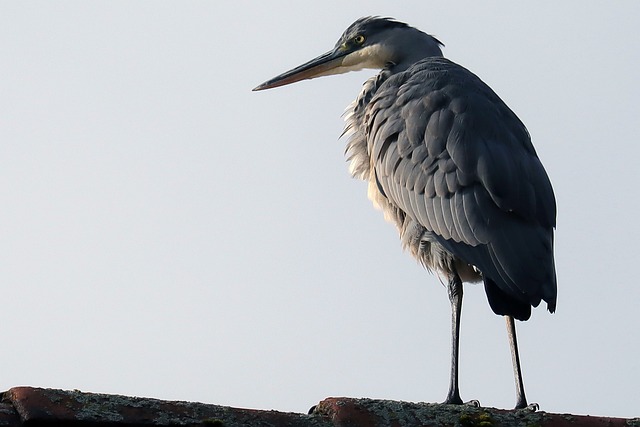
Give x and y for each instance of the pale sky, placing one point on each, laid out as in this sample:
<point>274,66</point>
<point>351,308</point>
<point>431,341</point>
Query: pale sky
<point>166,232</point>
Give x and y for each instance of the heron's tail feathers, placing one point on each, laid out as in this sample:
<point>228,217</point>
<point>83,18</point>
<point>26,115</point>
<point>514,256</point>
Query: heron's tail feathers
<point>504,304</point>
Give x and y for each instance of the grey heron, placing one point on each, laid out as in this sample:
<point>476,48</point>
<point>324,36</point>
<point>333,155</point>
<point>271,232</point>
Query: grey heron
<point>452,167</point>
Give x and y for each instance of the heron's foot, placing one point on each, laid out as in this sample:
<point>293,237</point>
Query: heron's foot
<point>455,400</point>
<point>530,407</point>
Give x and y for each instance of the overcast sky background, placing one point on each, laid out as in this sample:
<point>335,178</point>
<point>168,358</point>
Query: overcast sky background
<point>166,232</point>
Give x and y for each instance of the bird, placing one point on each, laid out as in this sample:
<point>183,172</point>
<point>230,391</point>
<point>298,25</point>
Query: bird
<point>452,167</point>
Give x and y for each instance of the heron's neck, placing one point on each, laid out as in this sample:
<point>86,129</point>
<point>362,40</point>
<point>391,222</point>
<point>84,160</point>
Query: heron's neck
<point>417,46</point>
<point>372,85</point>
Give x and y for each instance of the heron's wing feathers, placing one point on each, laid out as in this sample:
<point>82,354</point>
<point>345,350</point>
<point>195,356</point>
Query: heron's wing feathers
<point>450,154</point>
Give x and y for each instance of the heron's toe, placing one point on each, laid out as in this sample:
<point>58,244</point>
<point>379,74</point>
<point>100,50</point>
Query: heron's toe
<point>475,403</point>
<point>530,407</point>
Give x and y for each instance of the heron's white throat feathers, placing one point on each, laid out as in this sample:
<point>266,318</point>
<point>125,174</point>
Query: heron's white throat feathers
<point>375,56</point>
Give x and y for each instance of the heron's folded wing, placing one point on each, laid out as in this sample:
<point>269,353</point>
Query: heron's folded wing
<point>451,155</point>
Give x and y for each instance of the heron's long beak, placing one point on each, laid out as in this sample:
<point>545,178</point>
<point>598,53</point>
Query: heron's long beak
<point>326,64</point>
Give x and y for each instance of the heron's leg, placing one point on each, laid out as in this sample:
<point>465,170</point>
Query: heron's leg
<point>521,400</point>
<point>455,296</point>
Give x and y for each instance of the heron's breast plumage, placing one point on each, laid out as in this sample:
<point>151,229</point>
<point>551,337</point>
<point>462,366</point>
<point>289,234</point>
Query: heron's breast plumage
<point>361,152</point>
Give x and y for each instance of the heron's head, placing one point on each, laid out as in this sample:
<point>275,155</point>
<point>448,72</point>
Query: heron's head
<point>370,42</point>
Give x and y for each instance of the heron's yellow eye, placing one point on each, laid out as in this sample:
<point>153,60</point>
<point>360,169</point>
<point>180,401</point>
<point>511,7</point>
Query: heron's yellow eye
<point>359,39</point>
